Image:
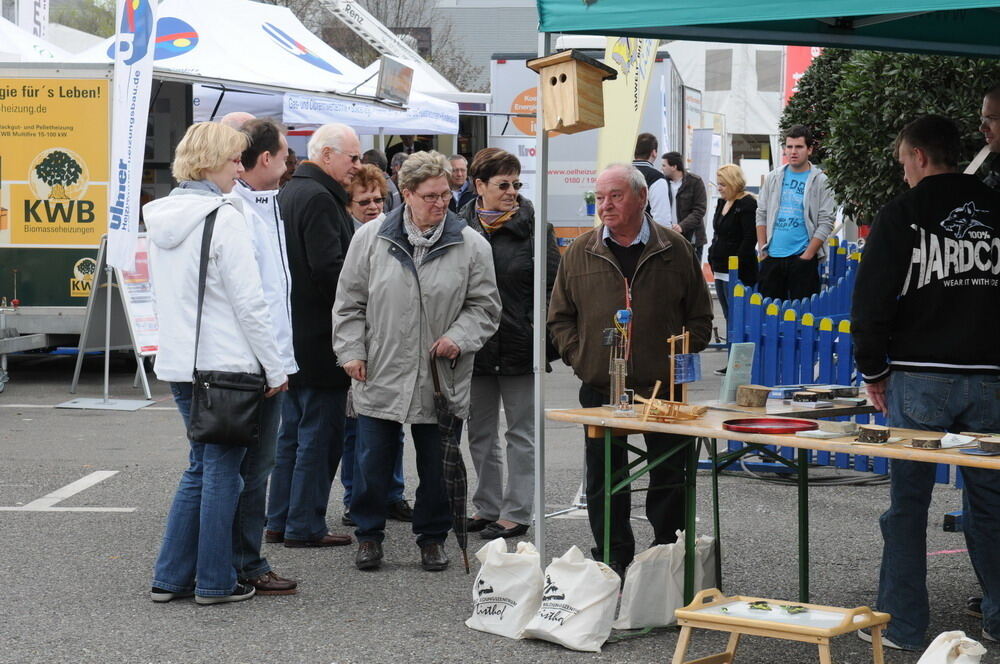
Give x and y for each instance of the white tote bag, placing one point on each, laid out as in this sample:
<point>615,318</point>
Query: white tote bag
<point>654,583</point>
<point>508,589</point>
<point>953,648</point>
<point>578,604</point>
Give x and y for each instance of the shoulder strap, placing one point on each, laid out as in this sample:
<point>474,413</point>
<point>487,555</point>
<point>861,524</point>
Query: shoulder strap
<point>206,244</point>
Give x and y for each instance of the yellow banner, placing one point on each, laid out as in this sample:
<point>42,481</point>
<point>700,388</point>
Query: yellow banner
<point>53,161</point>
<point>624,97</point>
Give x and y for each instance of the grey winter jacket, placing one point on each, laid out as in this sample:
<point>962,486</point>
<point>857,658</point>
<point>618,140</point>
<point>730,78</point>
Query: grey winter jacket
<point>820,207</point>
<point>388,313</point>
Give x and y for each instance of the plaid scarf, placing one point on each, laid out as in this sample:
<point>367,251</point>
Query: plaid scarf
<point>493,220</point>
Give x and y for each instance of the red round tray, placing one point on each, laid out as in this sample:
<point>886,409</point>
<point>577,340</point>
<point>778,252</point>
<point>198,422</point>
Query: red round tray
<point>768,425</point>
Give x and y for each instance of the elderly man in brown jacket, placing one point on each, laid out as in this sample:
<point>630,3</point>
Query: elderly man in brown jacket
<point>628,262</point>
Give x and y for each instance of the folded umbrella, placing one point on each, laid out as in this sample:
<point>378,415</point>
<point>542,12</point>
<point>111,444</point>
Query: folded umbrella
<point>456,481</point>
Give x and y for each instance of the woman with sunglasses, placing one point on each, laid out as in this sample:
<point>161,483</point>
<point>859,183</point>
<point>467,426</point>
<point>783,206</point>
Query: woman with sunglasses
<point>368,192</point>
<point>504,366</point>
<point>415,288</point>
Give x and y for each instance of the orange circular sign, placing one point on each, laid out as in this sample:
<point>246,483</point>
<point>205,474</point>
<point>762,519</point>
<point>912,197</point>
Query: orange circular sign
<point>525,102</point>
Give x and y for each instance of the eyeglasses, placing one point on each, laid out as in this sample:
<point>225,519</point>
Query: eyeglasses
<point>504,186</point>
<point>430,199</point>
<point>355,158</point>
<point>368,201</point>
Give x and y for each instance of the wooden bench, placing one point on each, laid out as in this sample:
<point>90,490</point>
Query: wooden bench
<point>817,624</point>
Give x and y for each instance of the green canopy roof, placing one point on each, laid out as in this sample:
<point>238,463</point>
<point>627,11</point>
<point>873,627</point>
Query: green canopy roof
<point>964,27</point>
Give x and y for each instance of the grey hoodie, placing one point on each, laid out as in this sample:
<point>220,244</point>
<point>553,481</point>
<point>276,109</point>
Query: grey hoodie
<point>817,201</point>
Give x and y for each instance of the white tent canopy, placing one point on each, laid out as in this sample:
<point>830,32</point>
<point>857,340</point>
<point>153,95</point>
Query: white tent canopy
<point>247,46</point>
<point>17,45</point>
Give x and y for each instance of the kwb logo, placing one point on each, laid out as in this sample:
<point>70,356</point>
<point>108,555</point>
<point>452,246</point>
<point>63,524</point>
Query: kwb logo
<point>135,32</point>
<point>58,179</point>
<point>296,48</point>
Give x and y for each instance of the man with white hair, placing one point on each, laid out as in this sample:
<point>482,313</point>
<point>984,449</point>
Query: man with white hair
<point>318,230</point>
<point>629,263</point>
<point>236,119</point>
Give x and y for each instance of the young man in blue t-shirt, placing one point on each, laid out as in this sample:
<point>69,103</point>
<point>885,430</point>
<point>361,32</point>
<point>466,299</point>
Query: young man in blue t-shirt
<point>794,218</point>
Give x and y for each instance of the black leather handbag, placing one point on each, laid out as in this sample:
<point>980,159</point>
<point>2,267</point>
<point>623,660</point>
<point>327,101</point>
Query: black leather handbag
<point>225,405</point>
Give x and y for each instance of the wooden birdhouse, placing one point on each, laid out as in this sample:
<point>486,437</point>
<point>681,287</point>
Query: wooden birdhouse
<point>571,85</point>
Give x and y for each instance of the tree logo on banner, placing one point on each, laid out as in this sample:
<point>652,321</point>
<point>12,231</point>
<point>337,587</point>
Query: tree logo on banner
<point>83,277</point>
<point>299,50</point>
<point>58,179</point>
<point>136,30</point>
<point>173,37</point>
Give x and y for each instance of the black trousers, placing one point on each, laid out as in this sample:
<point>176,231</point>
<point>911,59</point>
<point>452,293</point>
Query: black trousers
<point>664,505</point>
<point>789,278</point>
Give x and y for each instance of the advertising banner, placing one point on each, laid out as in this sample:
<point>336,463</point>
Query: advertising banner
<point>624,97</point>
<point>53,162</point>
<point>33,16</point>
<point>797,61</point>
<point>133,77</point>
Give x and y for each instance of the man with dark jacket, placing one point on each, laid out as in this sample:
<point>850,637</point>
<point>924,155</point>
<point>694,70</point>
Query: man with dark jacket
<point>318,229</point>
<point>926,319</point>
<point>658,199</point>
<point>688,201</point>
<point>631,263</point>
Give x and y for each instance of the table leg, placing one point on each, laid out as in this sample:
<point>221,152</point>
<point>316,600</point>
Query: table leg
<point>824,653</point>
<point>607,496</point>
<point>682,645</point>
<point>734,640</point>
<point>690,523</point>
<point>713,451</point>
<point>877,645</point>
<point>804,526</point>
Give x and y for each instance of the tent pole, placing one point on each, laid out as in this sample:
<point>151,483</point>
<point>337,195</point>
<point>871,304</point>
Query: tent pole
<point>381,139</point>
<point>540,305</point>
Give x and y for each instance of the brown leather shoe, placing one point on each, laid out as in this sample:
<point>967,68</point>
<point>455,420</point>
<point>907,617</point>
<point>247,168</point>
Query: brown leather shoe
<point>272,584</point>
<point>274,536</point>
<point>330,539</point>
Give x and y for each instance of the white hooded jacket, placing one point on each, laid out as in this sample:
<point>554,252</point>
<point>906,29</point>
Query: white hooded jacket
<point>236,328</point>
<point>267,231</point>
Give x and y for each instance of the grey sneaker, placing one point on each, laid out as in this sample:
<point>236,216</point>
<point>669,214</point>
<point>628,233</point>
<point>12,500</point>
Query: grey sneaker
<point>990,637</point>
<point>865,635</point>
<point>241,592</point>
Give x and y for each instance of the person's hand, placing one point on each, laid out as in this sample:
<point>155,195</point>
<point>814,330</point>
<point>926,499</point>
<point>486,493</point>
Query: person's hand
<point>357,369</point>
<point>274,390</point>
<point>807,255</point>
<point>876,394</point>
<point>761,254</point>
<point>445,347</point>
<point>677,227</point>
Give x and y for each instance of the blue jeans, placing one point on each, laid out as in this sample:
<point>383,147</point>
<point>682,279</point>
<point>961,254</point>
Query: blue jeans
<point>198,540</point>
<point>375,457</point>
<point>251,509</point>
<point>347,465</point>
<point>937,402</point>
<point>309,446</point>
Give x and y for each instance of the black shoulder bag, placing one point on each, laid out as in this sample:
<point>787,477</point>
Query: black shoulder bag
<point>225,405</point>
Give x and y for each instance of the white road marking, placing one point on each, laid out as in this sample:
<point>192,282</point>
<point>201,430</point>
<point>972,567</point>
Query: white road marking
<point>47,502</point>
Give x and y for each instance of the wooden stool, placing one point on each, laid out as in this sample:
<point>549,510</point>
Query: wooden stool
<point>817,624</point>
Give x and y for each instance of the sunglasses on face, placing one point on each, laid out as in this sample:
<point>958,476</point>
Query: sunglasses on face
<point>368,201</point>
<point>355,158</point>
<point>504,186</point>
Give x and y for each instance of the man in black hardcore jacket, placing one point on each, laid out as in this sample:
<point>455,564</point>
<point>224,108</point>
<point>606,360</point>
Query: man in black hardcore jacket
<point>926,323</point>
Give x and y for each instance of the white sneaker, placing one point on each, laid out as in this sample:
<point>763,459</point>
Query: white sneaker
<point>990,637</point>
<point>865,635</point>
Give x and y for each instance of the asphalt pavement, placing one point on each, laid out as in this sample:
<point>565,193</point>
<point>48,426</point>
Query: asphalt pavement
<point>75,583</point>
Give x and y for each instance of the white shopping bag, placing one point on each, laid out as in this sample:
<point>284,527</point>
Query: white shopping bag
<point>953,648</point>
<point>508,589</point>
<point>654,582</point>
<point>578,604</point>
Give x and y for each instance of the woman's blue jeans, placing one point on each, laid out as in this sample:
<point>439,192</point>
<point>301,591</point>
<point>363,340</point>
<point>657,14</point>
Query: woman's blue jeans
<point>198,541</point>
<point>347,465</point>
<point>937,402</point>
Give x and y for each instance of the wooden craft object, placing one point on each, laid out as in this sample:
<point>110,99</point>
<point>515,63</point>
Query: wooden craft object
<point>872,433</point>
<point>752,396</point>
<point>823,395</point>
<point>990,444</point>
<point>695,616</point>
<point>926,443</point>
<point>660,410</point>
<point>572,89</point>
<point>805,397</point>
<point>649,404</point>
<point>846,428</point>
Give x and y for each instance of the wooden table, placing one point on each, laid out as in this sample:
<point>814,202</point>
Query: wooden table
<point>778,408</point>
<point>707,430</point>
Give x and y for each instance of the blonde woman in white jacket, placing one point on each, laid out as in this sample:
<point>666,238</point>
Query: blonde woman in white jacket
<point>196,556</point>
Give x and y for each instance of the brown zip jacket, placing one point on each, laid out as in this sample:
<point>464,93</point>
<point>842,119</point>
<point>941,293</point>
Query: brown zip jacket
<point>668,294</point>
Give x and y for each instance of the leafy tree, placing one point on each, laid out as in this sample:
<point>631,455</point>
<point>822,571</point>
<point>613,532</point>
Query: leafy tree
<point>58,170</point>
<point>878,93</point>
<point>810,105</point>
<point>96,17</point>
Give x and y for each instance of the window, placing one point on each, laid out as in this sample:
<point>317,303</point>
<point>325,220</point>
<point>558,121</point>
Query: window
<point>768,71</point>
<point>718,69</point>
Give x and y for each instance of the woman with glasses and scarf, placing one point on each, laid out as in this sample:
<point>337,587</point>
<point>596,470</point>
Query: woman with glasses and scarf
<point>416,288</point>
<point>503,368</point>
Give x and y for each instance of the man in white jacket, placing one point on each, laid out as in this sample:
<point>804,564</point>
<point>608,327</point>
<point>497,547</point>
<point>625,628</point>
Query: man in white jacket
<point>264,164</point>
